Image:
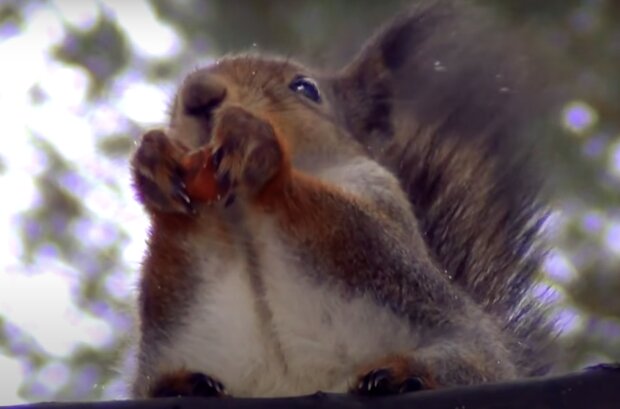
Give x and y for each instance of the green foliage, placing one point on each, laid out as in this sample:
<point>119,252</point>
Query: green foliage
<point>101,50</point>
<point>115,145</point>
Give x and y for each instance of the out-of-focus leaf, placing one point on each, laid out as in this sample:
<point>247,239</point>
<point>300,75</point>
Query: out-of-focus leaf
<point>116,146</point>
<point>102,50</point>
<point>10,18</point>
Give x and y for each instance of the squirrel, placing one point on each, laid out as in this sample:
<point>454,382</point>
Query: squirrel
<point>372,231</point>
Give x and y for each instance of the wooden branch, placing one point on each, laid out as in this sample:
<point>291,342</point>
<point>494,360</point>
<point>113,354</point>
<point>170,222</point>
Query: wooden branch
<point>595,388</point>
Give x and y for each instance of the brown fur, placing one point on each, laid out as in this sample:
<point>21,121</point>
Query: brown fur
<point>450,245</point>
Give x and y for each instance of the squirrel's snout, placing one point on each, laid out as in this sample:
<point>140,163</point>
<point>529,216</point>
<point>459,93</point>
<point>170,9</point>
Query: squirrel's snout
<point>201,94</point>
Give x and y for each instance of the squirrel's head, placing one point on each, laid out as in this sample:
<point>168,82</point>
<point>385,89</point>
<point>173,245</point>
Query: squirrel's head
<point>285,96</point>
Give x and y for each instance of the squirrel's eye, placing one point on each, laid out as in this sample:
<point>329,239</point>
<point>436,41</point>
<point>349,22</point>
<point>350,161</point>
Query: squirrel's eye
<point>306,87</point>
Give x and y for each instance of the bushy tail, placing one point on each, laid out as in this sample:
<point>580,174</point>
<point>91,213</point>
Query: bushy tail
<point>454,98</point>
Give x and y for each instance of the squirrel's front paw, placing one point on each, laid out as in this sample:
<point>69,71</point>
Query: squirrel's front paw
<point>391,376</point>
<point>185,383</point>
<point>158,175</point>
<point>246,153</point>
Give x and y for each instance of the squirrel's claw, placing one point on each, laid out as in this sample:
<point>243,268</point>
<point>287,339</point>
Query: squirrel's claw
<point>204,385</point>
<point>375,382</point>
<point>182,198</point>
<point>381,382</point>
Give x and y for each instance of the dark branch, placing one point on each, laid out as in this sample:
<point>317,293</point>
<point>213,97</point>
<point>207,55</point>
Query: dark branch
<point>595,388</point>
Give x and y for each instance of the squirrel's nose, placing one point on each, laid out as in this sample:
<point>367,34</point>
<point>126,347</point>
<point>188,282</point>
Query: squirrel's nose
<point>201,94</point>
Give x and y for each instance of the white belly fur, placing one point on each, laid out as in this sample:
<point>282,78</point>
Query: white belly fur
<point>315,339</point>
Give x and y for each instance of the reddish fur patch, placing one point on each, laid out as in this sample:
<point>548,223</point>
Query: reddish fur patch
<point>165,270</point>
<point>200,175</point>
<point>307,208</point>
<point>177,381</point>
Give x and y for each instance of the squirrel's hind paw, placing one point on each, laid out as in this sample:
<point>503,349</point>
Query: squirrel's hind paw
<point>391,376</point>
<point>185,383</point>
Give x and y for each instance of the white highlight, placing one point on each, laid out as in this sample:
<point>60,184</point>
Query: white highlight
<point>79,14</point>
<point>149,36</point>
<point>12,374</point>
<point>41,306</point>
<point>144,103</point>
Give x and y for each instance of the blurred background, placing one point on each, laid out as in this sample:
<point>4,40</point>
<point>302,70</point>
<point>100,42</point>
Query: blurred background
<point>81,80</point>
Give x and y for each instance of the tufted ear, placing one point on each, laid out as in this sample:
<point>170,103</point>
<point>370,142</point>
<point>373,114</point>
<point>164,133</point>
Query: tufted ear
<point>366,88</point>
<point>443,63</point>
<point>393,46</point>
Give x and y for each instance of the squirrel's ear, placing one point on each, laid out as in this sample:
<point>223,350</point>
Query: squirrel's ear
<point>365,88</point>
<point>446,62</point>
<point>394,46</point>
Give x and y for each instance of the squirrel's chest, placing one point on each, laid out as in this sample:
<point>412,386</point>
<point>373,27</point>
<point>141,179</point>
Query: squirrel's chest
<point>265,329</point>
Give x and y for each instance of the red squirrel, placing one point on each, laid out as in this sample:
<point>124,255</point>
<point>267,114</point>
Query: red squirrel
<point>372,231</point>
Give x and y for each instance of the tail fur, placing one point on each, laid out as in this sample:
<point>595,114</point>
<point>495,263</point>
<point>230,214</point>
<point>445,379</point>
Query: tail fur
<point>448,98</point>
